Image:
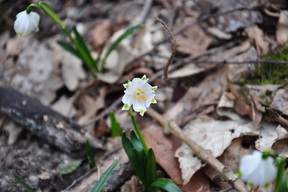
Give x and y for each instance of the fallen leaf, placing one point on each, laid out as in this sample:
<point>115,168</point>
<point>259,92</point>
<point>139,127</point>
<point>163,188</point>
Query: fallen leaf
<point>213,135</point>
<point>282,28</point>
<point>164,149</point>
<point>101,33</point>
<point>192,41</point>
<point>15,46</point>
<point>261,40</point>
<point>280,102</point>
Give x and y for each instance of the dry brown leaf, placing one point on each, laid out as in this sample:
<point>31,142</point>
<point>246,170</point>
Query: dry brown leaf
<point>65,106</point>
<point>16,45</point>
<point>280,102</point>
<point>163,148</point>
<point>72,71</point>
<point>193,40</point>
<point>282,28</point>
<point>262,41</point>
<point>198,183</point>
<point>101,33</point>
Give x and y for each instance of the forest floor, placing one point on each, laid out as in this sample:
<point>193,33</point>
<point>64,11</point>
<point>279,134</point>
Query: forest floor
<point>226,88</point>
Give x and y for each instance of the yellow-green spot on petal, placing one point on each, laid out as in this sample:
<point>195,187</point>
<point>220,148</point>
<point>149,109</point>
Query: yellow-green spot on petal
<point>20,34</point>
<point>126,106</point>
<point>154,88</point>
<point>142,112</point>
<point>266,186</point>
<point>143,78</point>
<point>126,86</point>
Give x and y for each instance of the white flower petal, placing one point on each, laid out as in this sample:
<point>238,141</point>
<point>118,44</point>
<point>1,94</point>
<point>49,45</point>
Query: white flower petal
<point>26,23</point>
<point>257,170</point>
<point>139,94</point>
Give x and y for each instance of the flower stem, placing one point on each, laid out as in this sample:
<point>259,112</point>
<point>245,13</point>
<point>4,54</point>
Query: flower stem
<point>138,131</point>
<point>28,9</point>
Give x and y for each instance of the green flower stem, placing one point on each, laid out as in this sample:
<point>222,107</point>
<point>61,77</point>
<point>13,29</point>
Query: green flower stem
<point>28,9</point>
<point>138,131</point>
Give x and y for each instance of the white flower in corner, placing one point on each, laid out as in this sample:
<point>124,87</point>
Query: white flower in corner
<point>138,94</point>
<point>257,171</point>
<point>26,23</point>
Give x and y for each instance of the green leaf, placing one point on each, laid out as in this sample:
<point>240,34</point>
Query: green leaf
<point>115,126</point>
<point>133,155</point>
<point>281,178</point>
<point>90,154</point>
<point>151,174</point>
<point>166,185</point>
<point>116,43</point>
<point>51,13</point>
<point>99,57</point>
<point>69,48</point>
<point>69,167</point>
<point>25,185</point>
<point>84,51</point>
<point>99,185</point>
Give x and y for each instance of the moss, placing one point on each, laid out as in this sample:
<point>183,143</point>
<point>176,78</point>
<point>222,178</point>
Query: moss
<point>271,73</point>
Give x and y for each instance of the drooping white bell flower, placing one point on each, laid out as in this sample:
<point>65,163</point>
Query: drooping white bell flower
<point>256,170</point>
<point>138,94</point>
<point>26,23</point>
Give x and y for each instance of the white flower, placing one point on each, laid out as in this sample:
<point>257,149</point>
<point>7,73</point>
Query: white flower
<point>139,94</point>
<point>26,23</point>
<point>256,170</point>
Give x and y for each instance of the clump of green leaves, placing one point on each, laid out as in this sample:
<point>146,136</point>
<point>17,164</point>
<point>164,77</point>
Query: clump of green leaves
<point>145,165</point>
<point>271,73</point>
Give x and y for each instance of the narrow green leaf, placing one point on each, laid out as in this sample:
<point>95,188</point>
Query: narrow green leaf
<point>115,126</point>
<point>25,185</point>
<point>69,167</point>
<point>116,43</point>
<point>99,185</point>
<point>134,158</point>
<point>69,48</point>
<point>50,12</point>
<point>84,51</point>
<point>90,154</point>
<point>166,185</point>
<point>281,178</point>
<point>151,174</point>
<point>99,57</point>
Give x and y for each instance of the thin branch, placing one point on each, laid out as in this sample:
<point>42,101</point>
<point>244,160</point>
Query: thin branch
<point>175,45</point>
<point>200,152</point>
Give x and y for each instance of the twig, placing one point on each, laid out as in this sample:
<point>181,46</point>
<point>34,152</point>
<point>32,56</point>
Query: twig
<point>175,45</point>
<point>200,152</point>
<point>79,179</point>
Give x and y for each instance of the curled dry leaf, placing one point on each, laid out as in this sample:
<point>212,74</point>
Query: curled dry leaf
<point>282,28</point>
<point>262,41</point>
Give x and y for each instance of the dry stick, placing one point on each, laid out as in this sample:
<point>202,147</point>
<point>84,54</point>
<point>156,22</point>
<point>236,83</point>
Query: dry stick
<point>200,152</point>
<point>173,51</point>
